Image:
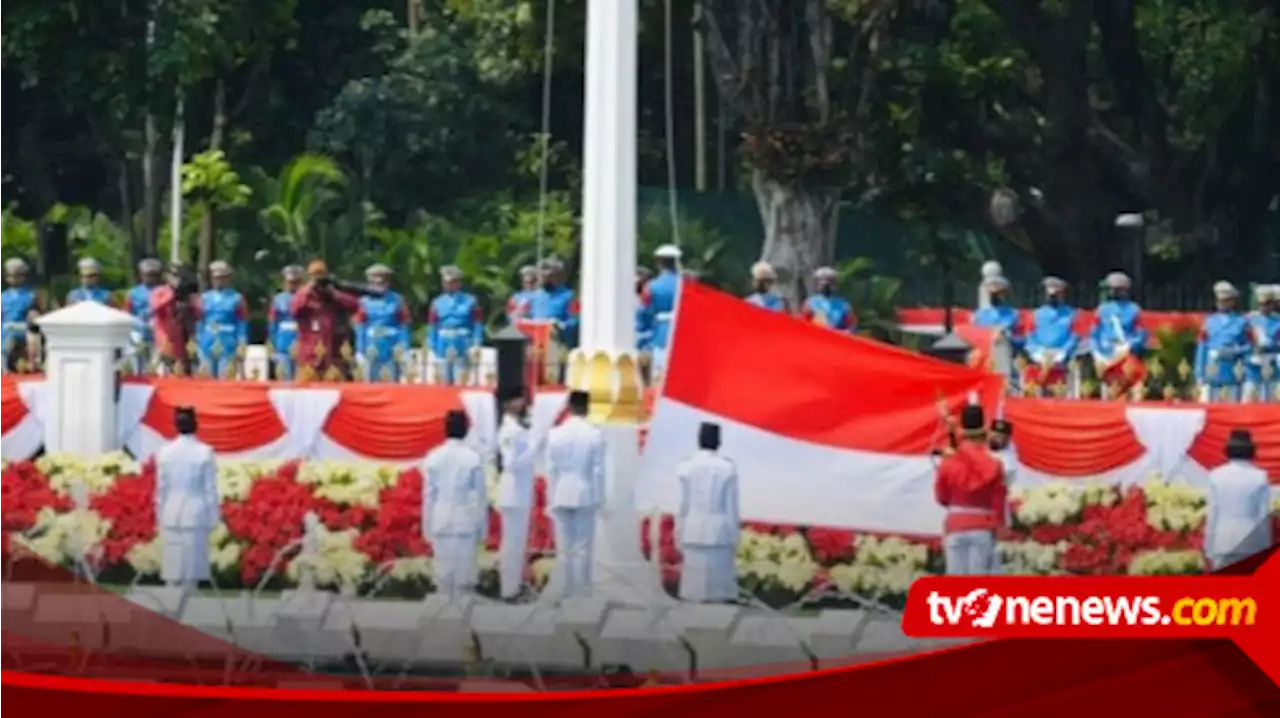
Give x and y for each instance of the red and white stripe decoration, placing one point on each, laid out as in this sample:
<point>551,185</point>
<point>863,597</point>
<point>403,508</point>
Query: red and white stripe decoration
<point>834,430</point>
<point>392,424</point>
<point>928,320</point>
<point>826,428</point>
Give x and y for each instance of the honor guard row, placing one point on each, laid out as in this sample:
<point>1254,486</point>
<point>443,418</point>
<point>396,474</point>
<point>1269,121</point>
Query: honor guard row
<point>1236,353</point>
<point>655,309</point>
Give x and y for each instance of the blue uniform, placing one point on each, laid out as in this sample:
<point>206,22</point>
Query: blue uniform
<point>1005,319</point>
<point>767,300</point>
<point>831,311</point>
<point>1265,331</point>
<point>382,335</point>
<point>1053,334</point>
<point>658,307</point>
<point>457,327</point>
<point>1118,323</point>
<point>282,331</point>
<point>101,295</point>
<point>520,305</point>
<point>222,330</point>
<point>1224,341</point>
<point>138,303</point>
<point>557,305</point>
<point>17,303</point>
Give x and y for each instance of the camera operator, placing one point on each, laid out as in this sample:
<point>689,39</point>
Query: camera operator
<point>323,309</point>
<point>175,308</point>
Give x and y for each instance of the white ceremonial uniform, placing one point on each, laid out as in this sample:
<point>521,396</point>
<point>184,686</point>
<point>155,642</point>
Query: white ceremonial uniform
<point>708,529</point>
<point>1008,457</point>
<point>519,451</point>
<point>1238,523</point>
<point>187,508</point>
<point>575,493</point>
<point>454,513</point>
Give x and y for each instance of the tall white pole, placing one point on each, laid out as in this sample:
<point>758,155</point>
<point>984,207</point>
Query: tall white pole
<point>175,185</point>
<point>605,364</point>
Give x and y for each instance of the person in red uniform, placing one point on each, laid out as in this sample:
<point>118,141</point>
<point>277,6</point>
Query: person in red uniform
<point>323,313</point>
<point>970,486</point>
<point>175,307</point>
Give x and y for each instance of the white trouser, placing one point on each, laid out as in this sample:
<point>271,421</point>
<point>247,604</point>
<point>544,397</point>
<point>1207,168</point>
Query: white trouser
<point>575,536</point>
<point>511,554</point>
<point>971,553</point>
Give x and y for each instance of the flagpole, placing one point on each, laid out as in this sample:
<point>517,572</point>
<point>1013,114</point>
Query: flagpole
<point>606,364</point>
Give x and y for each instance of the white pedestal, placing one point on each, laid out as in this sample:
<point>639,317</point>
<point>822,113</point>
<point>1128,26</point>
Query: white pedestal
<point>80,343</point>
<point>257,363</point>
<point>621,574</point>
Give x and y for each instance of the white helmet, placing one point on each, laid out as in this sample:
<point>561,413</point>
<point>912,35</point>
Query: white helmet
<point>763,270</point>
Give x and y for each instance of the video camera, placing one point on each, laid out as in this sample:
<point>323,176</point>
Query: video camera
<point>187,284</point>
<point>366,290</point>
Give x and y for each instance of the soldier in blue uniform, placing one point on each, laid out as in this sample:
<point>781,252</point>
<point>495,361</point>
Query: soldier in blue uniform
<point>90,289</point>
<point>138,303</point>
<point>659,304</point>
<point>556,303</point>
<point>223,330</point>
<point>1118,340</point>
<point>763,296</point>
<point>644,329</point>
<point>1223,346</point>
<point>520,304</point>
<point>825,307</point>
<point>1262,379</point>
<point>1000,315</point>
<point>456,328</point>
<point>1052,342</point>
<point>382,329</point>
<point>282,327</point>
<point>20,306</point>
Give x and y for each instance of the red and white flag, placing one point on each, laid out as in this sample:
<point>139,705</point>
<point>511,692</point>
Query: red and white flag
<point>826,429</point>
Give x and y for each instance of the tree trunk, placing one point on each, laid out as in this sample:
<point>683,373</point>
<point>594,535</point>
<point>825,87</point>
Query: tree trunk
<point>150,187</point>
<point>799,231</point>
<point>208,223</point>
<point>126,209</point>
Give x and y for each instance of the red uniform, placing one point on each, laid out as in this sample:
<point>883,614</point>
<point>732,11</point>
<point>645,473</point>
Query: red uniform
<point>322,316</point>
<point>970,485</point>
<point>173,322</point>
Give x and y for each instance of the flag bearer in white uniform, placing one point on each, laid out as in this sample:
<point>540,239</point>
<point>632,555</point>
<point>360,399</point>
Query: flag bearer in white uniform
<point>575,495</point>
<point>709,523</point>
<point>455,508</point>
<point>517,461</point>
<point>1001,442</point>
<point>1238,523</point>
<point>187,505</point>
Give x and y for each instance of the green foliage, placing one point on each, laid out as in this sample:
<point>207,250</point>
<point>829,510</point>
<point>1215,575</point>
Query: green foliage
<point>297,201</point>
<point>209,180</point>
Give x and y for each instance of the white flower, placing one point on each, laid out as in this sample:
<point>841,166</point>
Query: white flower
<point>348,483</point>
<point>96,475</point>
<point>1055,503</point>
<point>1162,562</point>
<point>226,557</point>
<point>872,580</point>
<point>890,551</point>
<point>1030,558</point>
<point>1174,507</point>
<point>63,539</point>
<point>146,558</point>
<point>412,568</point>
<point>336,563</point>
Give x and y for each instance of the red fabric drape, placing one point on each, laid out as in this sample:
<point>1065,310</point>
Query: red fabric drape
<point>1072,438</point>
<point>234,415</point>
<point>393,422</point>
<point>1151,321</point>
<point>982,339</point>
<point>14,411</point>
<point>1262,420</point>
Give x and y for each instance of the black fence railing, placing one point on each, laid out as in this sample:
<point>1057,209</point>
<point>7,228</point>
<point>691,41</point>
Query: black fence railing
<point>929,292</point>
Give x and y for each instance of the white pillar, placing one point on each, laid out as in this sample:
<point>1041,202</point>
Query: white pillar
<point>81,343</point>
<point>606,362</point>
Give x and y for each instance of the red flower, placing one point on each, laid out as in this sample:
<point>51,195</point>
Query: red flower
<point>830,545</point>
<point>130,506</point>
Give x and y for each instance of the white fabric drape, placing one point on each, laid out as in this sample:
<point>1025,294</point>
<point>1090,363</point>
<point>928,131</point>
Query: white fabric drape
<point>482,410</point>
<point>303,412</point>
<point>1167,434</point>
<point>24,439</point>
<point>132,407</point>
